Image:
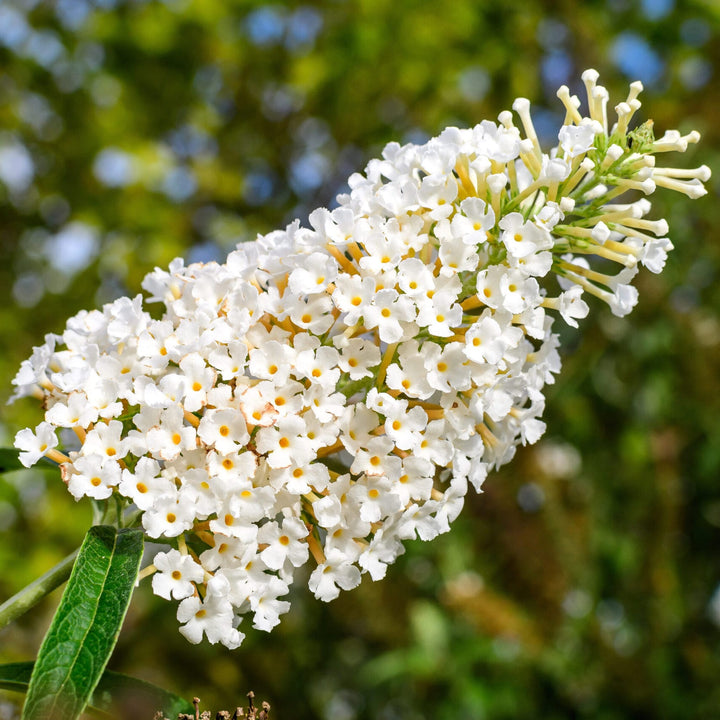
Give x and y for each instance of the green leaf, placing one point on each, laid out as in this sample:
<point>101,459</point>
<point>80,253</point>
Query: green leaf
<point>115,692</point>
<point>85,628</point>
<point>10,460</point>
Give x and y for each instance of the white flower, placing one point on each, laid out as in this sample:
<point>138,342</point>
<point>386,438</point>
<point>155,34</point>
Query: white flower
<point>488,286</point>
<point>230,360</point>
<point>212,617</point>
<point>446,367</point>
<point>285,442</point>
<point>33,445</point>
<point>357,357</point>
<point>77,412</point>
<point>171,436</point>
<point>312,314</point>
<point>265,605</point>
<point>577,140</point>
<point>257,409</point>
<point>522,238</point>
<point>283,543</point>
<point>455,254</point>
<point>301,479</point>
<point>416,480</point>
<point>328,511</point>
<point>168,517</point>
<point>199,378</point>
<point>434,445</point>
<point>145,484</point>
<point>571,305</point>
<point>383,549</point>
<point>415,278</point>
<point>439,314</point>
<point>623,299</point>
<point>235,471</point>
<point>388,313</point>
<point>418,520</point>
<point>374,498</point>
<point>225,430</point>
<point>336,573</point>
<point>272,361</point>
<point>93,476</point>
<point>473,225</point>
<point>376,459</point>
<point>176,575</point>
<point>323,406</point>
<point>158,344</point>
<point>227,552</point>
<point>165,394</point>
<point>319,367</point>
<point>437,193</point>
<point>106,440</point>
<point>403,426</point>
<point>410,376</point>
<point>484,341</point>
<point>352,295</point>
<point>286,399</point>
<point>518,292</point>
<point>227,523</point>
<point>249,505</point>
<point>317,272</point>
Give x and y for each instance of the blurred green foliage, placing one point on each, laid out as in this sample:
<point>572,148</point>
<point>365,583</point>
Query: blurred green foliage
<point>583,583</point>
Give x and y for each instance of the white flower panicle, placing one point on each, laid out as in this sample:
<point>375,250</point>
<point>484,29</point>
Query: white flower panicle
<point>331,391</point>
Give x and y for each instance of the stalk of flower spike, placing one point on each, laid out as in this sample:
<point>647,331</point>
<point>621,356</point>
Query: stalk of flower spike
<point>332,391</point>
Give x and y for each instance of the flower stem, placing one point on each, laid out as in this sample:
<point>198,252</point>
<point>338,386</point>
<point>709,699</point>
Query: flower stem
<point>30,595</point>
